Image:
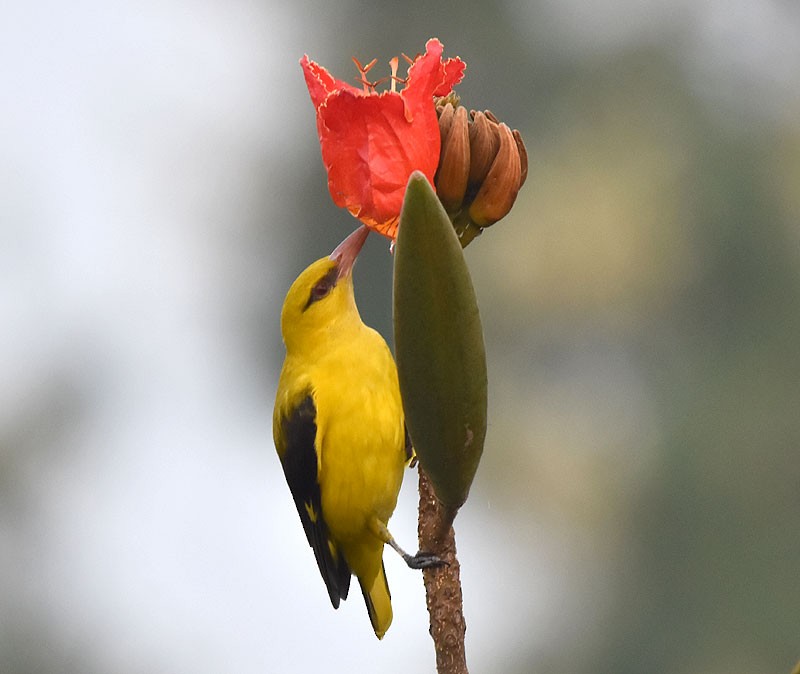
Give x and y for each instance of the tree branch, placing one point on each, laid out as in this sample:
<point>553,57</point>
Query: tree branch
<point>443,583</point>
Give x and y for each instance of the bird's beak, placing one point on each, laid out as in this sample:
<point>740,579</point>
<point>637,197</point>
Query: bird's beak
<point>347,251</point>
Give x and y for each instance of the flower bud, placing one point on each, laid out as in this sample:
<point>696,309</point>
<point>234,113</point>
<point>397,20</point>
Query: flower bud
<point>445,113</point>
<point>523,157</point>
<point>499,189</point>
<point>482,166</point>
<point>454,164</point>
<point>484,141</point>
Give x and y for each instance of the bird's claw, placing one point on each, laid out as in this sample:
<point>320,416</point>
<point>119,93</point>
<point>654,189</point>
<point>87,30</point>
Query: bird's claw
<point>424,560</point>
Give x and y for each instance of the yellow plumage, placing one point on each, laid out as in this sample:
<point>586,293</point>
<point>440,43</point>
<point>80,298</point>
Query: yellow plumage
<point>339,430</point>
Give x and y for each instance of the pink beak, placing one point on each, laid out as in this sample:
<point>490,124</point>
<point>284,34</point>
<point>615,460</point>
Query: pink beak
<point>347,251</point>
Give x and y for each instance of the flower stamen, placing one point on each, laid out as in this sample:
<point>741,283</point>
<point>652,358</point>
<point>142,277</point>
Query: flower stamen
<point>363,70</point>
<point>394,78</point>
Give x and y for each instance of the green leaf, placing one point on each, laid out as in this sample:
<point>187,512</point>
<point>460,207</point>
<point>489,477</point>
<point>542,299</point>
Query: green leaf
<point>441,359</point>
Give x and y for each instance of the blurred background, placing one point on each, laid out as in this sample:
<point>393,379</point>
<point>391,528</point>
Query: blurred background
<point>638,505</point>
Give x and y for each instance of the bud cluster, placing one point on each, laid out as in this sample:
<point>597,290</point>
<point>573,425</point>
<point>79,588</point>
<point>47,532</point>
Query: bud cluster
<point>482,166</point>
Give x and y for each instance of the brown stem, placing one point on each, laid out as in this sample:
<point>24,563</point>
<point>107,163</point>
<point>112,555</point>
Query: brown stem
<point>443,583</point>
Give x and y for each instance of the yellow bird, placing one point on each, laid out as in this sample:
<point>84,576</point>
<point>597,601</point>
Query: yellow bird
<point>339,431</point>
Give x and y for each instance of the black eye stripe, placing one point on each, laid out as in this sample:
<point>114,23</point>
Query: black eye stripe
<point>322,287</point>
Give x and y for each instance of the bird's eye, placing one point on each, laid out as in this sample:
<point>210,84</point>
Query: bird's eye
<point>322,287</point>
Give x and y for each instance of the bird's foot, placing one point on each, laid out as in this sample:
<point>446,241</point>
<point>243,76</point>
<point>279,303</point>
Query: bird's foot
<point>424,560</point>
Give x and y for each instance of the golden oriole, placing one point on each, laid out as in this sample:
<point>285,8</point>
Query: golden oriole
<point>339,431</point>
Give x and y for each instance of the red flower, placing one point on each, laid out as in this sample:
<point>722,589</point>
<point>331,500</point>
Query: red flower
<point>371,142</point>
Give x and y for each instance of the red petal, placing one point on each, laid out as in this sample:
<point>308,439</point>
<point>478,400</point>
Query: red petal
<point>424,76</point>
<point>370,149</point>
<point>453,74</point>
<point>371,143</point>
<point>429,77</point>
<point>320,82</point>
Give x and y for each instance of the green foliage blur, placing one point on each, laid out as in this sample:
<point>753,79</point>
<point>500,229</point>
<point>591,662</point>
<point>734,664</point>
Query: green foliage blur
<point>642,310</point>
<point>645,316</point>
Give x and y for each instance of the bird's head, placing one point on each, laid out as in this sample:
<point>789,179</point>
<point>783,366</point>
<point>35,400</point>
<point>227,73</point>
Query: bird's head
<point>322,296</point>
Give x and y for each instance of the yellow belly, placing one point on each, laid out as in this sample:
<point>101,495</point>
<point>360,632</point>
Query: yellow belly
<point>361,449</point>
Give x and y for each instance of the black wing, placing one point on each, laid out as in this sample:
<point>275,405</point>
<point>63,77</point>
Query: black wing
<point>299,462</point>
